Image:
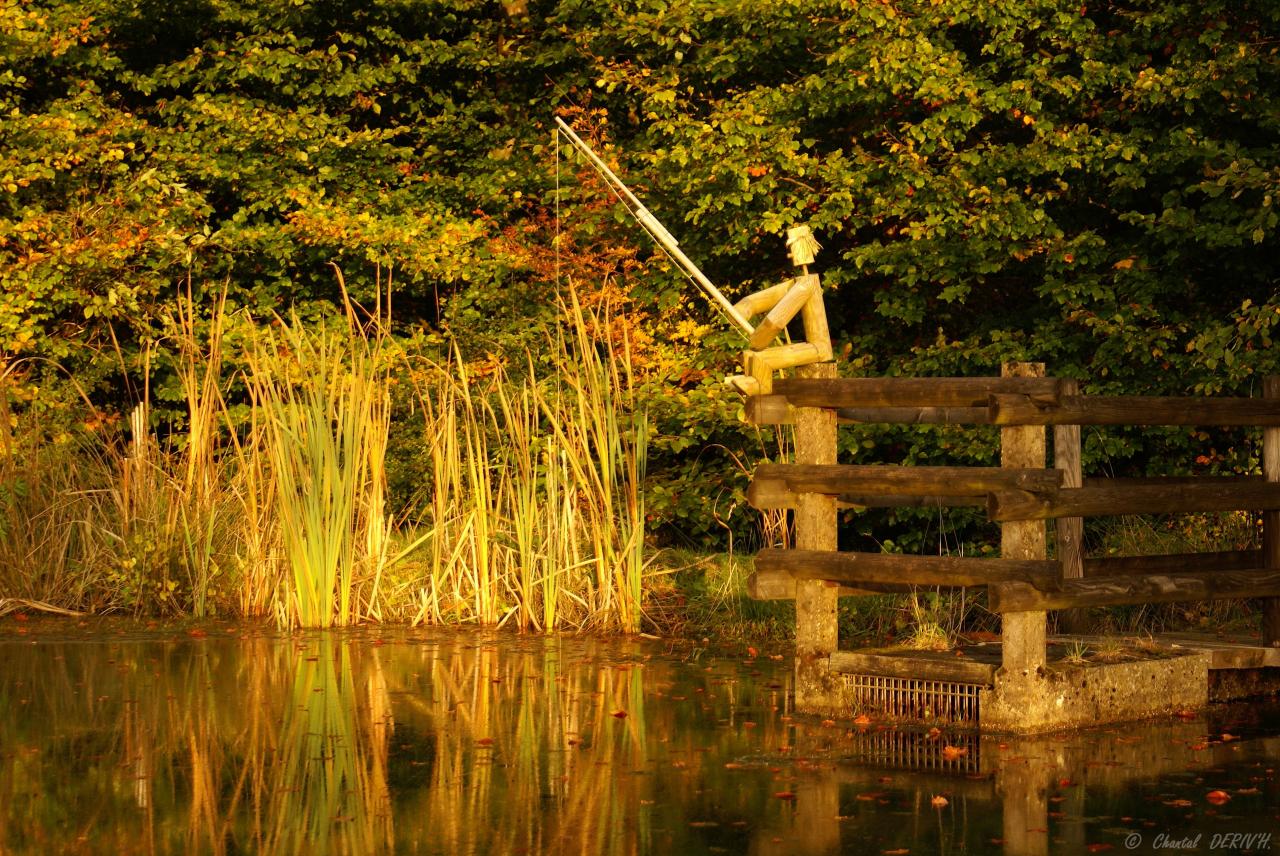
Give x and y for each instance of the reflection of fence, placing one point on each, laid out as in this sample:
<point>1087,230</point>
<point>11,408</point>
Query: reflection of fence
<point>955,752</point>
<point>1022,494</point>
<point>914,699</point>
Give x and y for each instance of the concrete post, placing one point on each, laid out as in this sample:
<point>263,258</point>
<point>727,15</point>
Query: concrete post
<point>1023,633</point>
<point>817,690</point>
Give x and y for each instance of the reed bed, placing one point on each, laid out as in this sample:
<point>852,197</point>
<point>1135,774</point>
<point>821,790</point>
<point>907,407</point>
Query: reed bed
<point>537,509</point>
<point>267,496</point>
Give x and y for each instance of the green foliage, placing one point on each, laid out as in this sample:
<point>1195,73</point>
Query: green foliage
<point>1087,184</point>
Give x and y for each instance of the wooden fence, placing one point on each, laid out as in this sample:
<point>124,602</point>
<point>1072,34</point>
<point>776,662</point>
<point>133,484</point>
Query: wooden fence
<point>1022,495</point>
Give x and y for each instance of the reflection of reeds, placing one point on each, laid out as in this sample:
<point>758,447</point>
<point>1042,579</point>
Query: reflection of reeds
<point>327,789</point>
<point>533,717</point>
<point>297,744</point>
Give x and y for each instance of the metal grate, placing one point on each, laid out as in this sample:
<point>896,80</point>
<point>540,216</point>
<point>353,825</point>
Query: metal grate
<point>915,700</point>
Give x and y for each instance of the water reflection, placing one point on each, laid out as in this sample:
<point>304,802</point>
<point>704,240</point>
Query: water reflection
<point>472,743</point>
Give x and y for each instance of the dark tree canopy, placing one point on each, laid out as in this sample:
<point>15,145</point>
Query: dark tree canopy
<point>1091,185</point>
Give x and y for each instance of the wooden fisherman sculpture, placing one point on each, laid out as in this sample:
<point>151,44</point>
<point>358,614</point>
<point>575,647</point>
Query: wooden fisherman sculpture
<point>780,304</point>
<point>799,296</point>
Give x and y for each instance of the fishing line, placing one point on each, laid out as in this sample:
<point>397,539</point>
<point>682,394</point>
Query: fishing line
<point>647,222</point>
<point>556,241</point>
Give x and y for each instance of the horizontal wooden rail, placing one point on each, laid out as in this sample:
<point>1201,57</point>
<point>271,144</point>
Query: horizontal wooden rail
<point>891,665</point>
<point>1170,481</point>
<point>1119,498</point>
<point>914,392</point>
<point>854,500</point>
<point>858,569</point>
<point>1140,588</point>
<point>777,485</point>
<point>780,585</point>
<point>913,415</point>
<point>1177,563</point>
<point>1021,409</point>
<point>772,581</point>
<point>776,410</point>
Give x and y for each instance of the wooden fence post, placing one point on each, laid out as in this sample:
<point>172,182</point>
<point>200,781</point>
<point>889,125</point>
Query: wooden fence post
<point>1271,519</point>
<point>815,519</point>
<point>1023,447</point>
<point>1070,530</point>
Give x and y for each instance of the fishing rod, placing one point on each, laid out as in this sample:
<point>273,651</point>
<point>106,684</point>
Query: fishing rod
<point>656,230</point>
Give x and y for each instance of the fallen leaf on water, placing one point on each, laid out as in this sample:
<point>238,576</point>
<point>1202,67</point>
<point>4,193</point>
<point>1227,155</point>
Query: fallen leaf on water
<point>1178,803</point>
<point>870,796</point>
<point>828,723</point>
<point>752,652</point>
<point>951,753</point>
<point>1218,797</point>
<point>862,719</point>
<point>1199,747</point>
<point>485,741</point>
<point>620,714</point>
<point>1186,714</point>
<point>1246,790</point>
<point>701,824</point>
<point>785,795</point>
<point>1227,738</point>
<point>197,633</point>
<point>933,734</point>
<point>938,801</point>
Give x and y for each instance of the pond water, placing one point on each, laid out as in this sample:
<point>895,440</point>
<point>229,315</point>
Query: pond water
<point>120,739</point>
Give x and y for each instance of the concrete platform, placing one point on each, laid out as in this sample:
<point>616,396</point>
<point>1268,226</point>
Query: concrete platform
<point>1085,681</point>
<point>1226,651</point>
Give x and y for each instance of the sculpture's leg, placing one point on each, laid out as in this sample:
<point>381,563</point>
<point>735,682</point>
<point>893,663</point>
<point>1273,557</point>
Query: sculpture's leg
<point>781,314</point>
